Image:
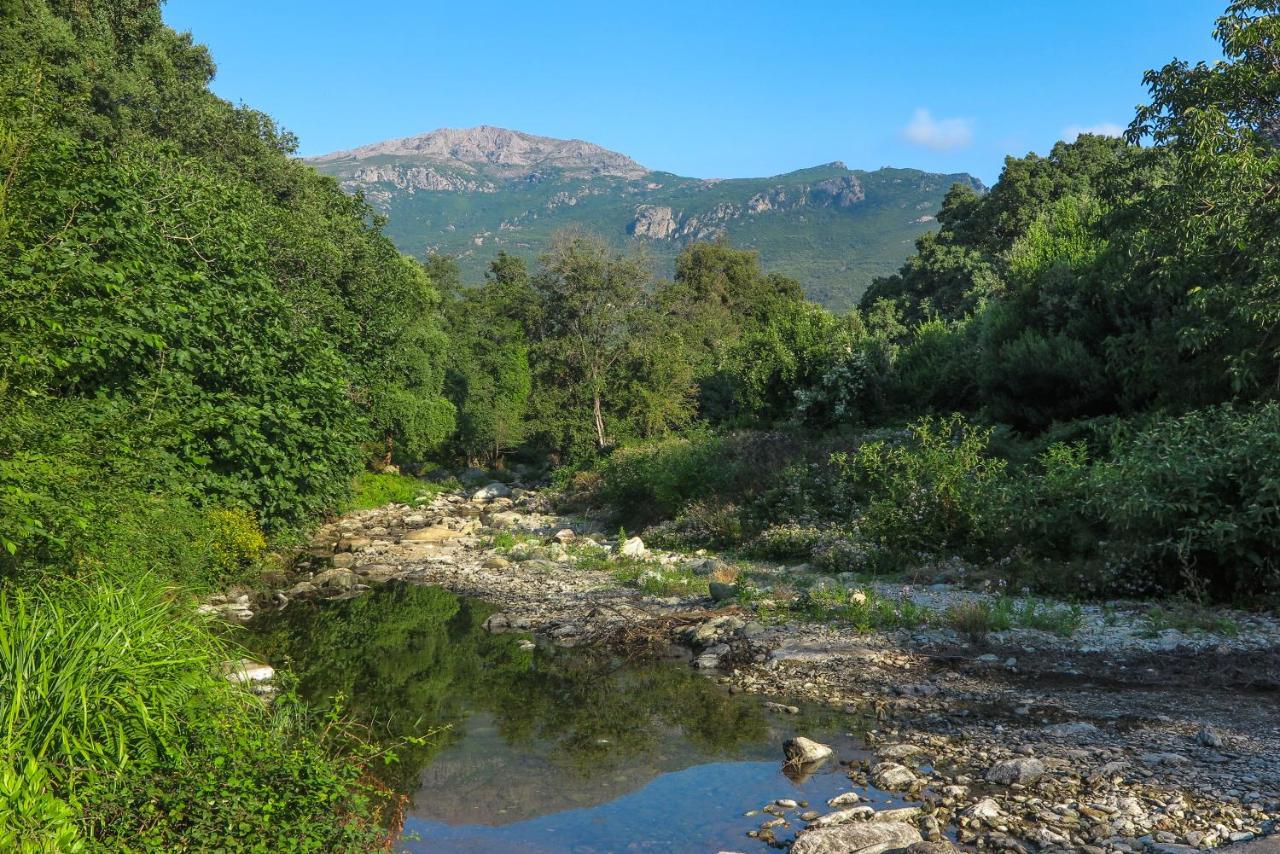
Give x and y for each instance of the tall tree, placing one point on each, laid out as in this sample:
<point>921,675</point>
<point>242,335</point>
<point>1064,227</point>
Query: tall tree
<point>590,300</point>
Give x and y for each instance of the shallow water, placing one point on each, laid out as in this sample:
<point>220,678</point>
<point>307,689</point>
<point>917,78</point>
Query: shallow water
<point>546,749</point>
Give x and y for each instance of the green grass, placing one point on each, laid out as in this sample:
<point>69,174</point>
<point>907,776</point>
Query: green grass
<point>1188,618</point>
<point>98,675</point>
<point>371,490</point>
<point>979,617</point>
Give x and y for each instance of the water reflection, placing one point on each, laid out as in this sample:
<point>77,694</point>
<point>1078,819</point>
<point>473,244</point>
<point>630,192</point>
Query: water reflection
<point>539,741</point>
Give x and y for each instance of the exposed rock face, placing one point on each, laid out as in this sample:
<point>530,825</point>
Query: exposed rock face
<point>498,152</point>
<point>655,222</point>
<point>864,838</point>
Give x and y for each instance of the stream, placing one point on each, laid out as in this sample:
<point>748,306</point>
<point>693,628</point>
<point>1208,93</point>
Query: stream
<point>537,748</point>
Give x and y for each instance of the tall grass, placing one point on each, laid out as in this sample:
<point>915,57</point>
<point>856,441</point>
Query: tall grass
<point>99,675</point>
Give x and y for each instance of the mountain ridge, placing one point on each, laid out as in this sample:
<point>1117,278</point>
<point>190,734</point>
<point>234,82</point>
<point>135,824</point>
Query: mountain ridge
<point>472,192</point>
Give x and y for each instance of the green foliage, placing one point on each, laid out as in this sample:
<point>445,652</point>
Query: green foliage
<point>32,819</point>
<point>97,675</point>
<point>1195,500</point>
<point>927,494</point>
<point>378,489</point>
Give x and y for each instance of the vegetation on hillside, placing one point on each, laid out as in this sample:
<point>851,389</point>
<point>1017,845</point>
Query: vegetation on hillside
<point>1072,383</point>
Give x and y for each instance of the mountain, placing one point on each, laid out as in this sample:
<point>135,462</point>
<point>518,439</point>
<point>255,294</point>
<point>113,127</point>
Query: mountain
<point>471,193</point>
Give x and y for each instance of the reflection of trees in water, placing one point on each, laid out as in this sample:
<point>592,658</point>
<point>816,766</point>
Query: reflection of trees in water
<point>411,658</point>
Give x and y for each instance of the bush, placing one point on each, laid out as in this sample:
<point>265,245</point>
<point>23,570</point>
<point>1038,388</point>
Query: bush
<point>928,494</point>
<point>1194,501</point>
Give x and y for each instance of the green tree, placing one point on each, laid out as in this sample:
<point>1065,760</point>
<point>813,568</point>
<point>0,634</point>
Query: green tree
<point>590,300</point>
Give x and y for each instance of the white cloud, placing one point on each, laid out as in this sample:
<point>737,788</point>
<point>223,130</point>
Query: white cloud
<point>1070,132</point>
<point>938,134</point>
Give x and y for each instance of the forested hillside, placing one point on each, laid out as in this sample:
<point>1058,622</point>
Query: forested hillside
<point>471,193</point>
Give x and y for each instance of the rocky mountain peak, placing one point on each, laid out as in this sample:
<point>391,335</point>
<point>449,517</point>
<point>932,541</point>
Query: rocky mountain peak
<point>495,152</point>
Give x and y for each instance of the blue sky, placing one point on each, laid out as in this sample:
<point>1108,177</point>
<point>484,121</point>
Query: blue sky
<point>702,88</point>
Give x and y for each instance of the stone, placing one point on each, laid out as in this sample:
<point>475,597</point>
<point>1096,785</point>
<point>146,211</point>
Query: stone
<point>302,588</point>
<point>491,491</point>
<point>940,847</point>
<point>338,579</point>
<point>844,816</point>
<point>1010,771</point>
<point>899,751</point>
<point>786,803</point>
<point>379,573</point>
<point>1067,730</point>
<point>864,838</point>
<point>892,777</point>
<point>495,562</point>
<point>1209,737</point>
<point>986,810</point>
<point>505,519</point>
<point>722,592</point>
<point>565,535</point>
<point>844,800</point>
<point>246,671</point>
<point>433,534</point>
<point>633,548</point>
<point>805,751</point>
<point>343,560</point>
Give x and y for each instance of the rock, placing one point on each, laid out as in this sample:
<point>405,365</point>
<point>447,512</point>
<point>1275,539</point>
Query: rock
<point>301,589</point>
<point>496,623</point>
<point>343,560</point>
<point>246,671</point>
<point>633,548</point>
<point>865,838</point>
<point>495,563</point>
<point>805,751</point>
<point>941,847</point>
<point>844,816</point>
<point>708,566</point>
<point>1010,771</point>
<point>722,592</point>
<point>490,491</point>
<point>1209,737</point>
<point>899,751</point>
<point>844,800</point>
<point>1076,728</point>
<point>472,475</point>
<point>786,803</point>
<point>986,810</point>
<point>565,535</point>
<point>378,573</point>
<point>505,519</point>
<point>337,579</point>
<point>656,222</point>
<point>433,534</point>
<point>892,777</point>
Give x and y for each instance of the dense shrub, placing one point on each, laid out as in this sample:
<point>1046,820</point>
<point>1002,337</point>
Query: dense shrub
<point>927,493</point>
<point>1195,500</point>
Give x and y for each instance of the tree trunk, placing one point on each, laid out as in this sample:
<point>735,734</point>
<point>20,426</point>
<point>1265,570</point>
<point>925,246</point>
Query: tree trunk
<point>600,440</point>
<point>386,457</point>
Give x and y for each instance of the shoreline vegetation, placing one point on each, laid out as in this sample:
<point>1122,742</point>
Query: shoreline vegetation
<point>1070,387</point>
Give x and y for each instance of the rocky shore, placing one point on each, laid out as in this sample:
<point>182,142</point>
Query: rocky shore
<point>1114,738</point>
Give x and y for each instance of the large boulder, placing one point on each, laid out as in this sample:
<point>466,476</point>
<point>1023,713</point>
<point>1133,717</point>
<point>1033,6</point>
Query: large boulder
<point>490,491</point>
<point>873,837</point>
<point>893,777</point>
<point>335,579</point>
<point>805,751</point>
<point>633,548</point>
<point>1022,770</point>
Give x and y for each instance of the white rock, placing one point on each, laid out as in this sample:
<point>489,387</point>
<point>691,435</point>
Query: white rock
<point>804,751</point>
<point>633,547</point>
